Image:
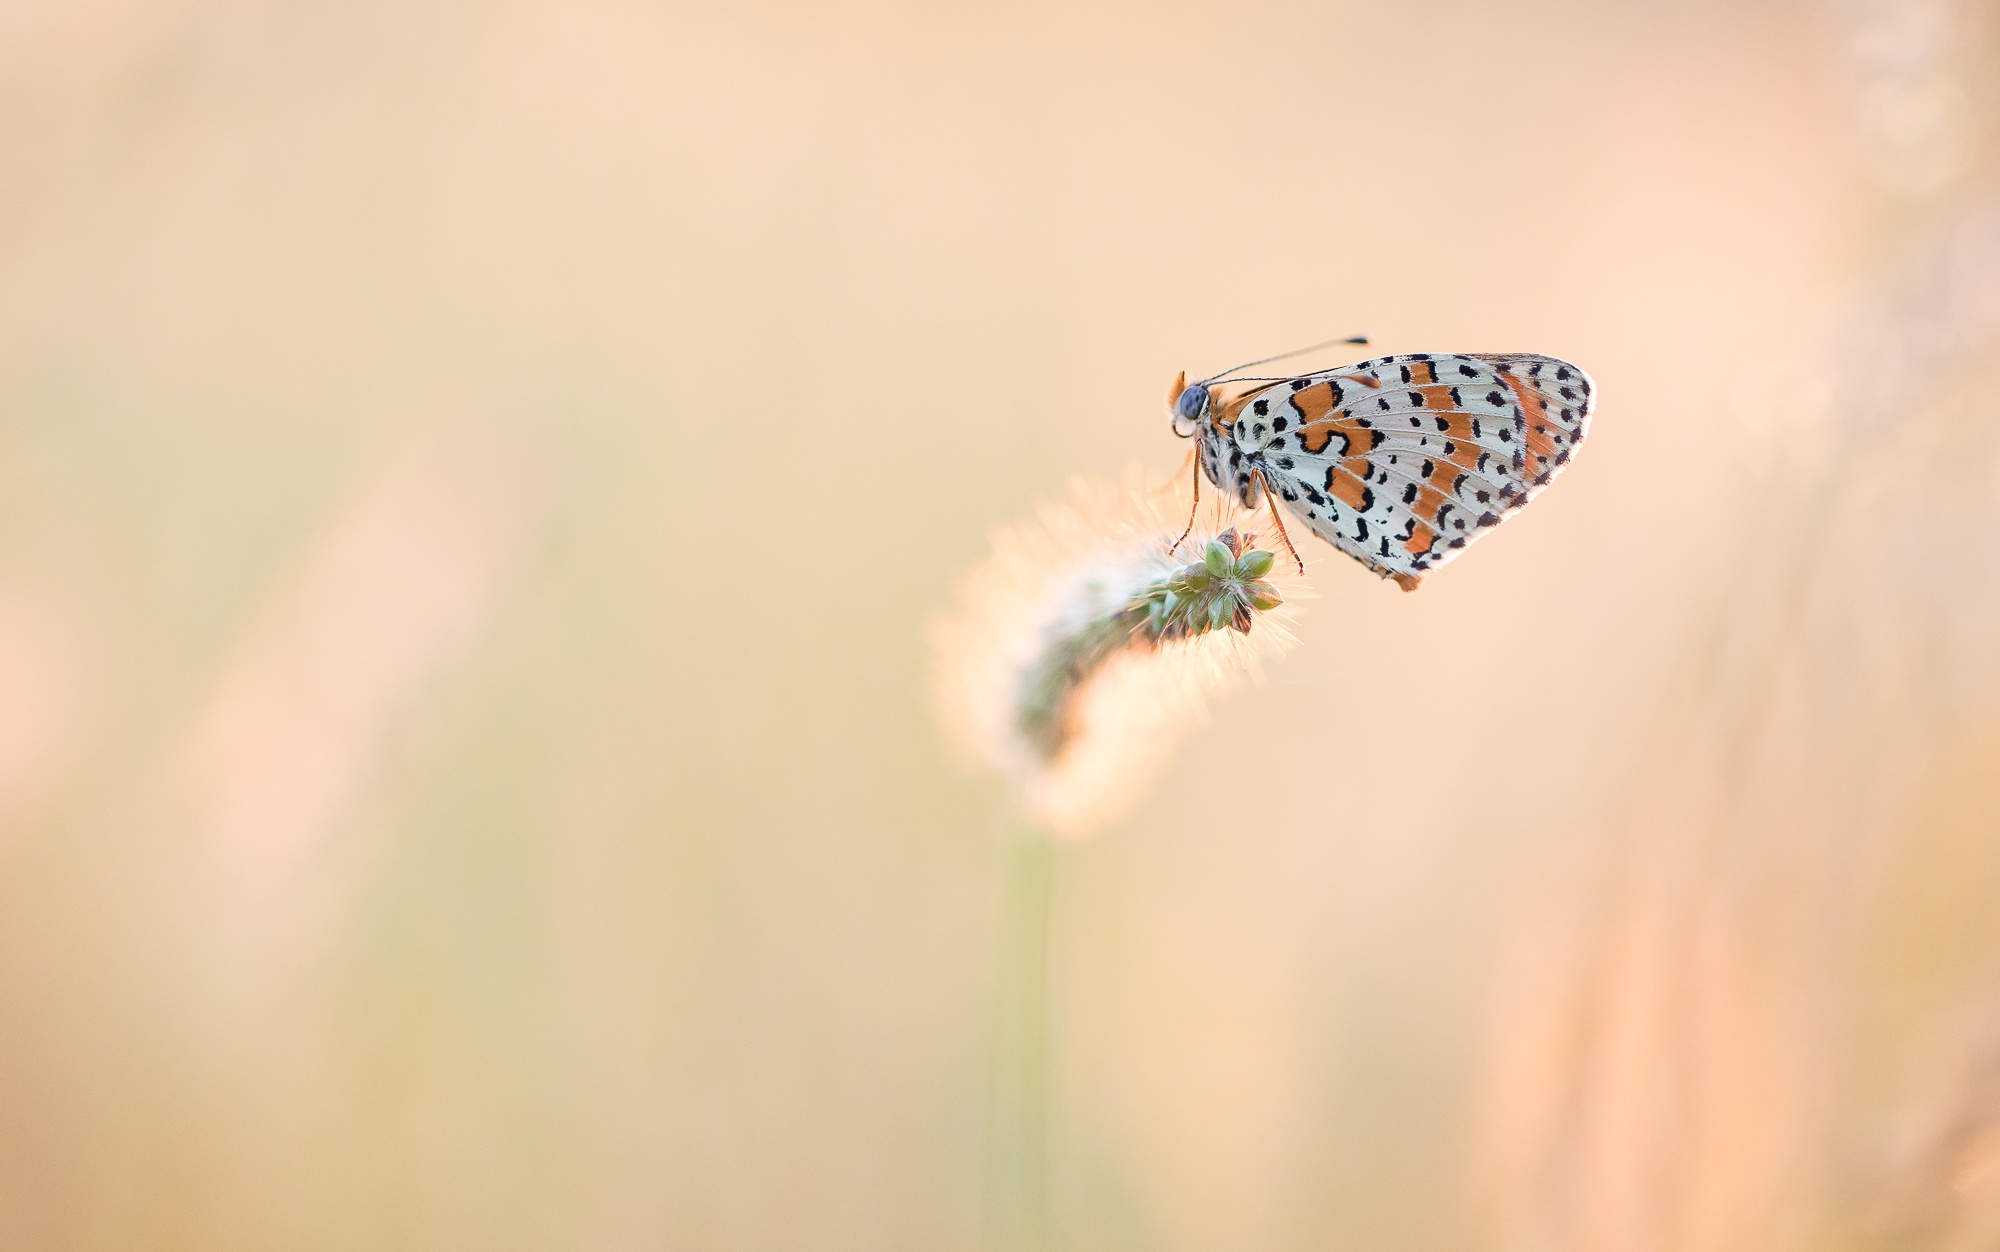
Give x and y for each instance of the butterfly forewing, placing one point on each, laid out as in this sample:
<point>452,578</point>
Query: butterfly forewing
<point>1402,461</point>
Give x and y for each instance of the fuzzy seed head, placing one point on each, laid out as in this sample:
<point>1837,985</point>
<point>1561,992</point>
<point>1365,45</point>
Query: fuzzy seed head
<point>1089,641</point>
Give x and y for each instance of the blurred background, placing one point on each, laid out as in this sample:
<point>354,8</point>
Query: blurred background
<point>475,474</point>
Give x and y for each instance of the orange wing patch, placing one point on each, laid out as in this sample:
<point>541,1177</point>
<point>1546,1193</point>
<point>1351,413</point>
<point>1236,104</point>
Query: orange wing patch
<point>1314,403</point>
<point>1534,407</point>
<point>1434,503</point>
<point>1463,457</point>
<point>1354,437</point>
<point>1349,484</point>
<point>1316,436</point>
<point>1422,539</point>
<point>1539,443</point>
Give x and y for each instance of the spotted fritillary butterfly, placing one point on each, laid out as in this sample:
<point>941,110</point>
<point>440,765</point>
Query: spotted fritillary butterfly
<point>1400,461</point>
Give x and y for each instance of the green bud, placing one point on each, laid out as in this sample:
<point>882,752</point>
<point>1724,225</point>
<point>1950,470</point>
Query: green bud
<point>1262,596</point>
<point>1221,611</point>
<point>1256,563</point>
<point>1220,561</point>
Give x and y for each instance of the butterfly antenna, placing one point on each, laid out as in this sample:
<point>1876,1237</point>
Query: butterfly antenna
<point>1355,339</point>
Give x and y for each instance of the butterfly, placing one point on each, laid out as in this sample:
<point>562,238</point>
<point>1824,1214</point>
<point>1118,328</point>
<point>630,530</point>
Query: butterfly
<point>1400,461</point>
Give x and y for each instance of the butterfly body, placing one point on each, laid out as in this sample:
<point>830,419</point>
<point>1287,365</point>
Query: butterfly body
<point>1400,461</point>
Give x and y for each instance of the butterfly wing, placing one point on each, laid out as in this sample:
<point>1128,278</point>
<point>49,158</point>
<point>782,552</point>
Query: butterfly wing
<point>1402,461</point>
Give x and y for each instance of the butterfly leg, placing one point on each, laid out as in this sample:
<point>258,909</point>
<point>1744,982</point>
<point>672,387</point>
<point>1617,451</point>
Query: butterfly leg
<point>1192,508</point>
<point>1271,498</point>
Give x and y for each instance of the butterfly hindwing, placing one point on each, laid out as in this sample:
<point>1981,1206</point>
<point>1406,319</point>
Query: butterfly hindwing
<point>1404,460</point>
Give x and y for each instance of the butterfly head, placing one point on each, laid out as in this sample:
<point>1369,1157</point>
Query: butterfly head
<point>1187,406</point>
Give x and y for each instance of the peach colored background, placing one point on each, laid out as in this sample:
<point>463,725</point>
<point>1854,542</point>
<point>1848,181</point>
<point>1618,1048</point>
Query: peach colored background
<point>474,476</point>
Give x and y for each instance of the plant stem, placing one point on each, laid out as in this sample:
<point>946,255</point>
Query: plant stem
<point>1018,1143</point>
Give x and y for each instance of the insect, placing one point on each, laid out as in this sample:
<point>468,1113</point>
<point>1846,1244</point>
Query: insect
<point>1399,461</point>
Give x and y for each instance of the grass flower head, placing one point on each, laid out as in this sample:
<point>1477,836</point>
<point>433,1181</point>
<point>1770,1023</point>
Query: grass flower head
<point>1090,640</point>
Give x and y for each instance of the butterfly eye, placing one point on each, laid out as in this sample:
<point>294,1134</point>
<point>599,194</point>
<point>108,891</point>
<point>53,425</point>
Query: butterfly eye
<point>1188,410</point>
